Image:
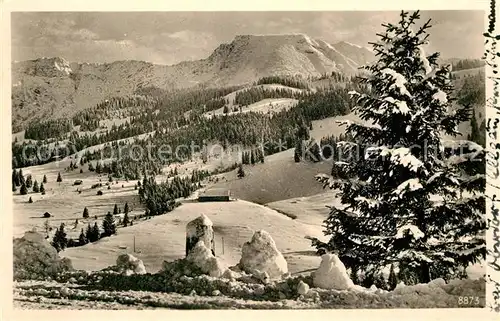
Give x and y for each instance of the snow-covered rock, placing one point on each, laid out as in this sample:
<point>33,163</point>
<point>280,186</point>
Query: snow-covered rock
<point>332,274</point>
<point>129,264</point>
<point>204,259</point>
<point>420,289</point>
<point>437,283</point>
<point>302,288</point>
<point>231,275</point>
<point>200,229</point>
<point>261,255</point>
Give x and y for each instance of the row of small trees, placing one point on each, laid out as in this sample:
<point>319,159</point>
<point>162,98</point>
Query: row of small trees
<point>25,183</point>
<point>255,155</point>
<point>60,240</point>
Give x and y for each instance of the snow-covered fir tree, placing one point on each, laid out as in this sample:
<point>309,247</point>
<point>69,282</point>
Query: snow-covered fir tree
<point>411,198</point>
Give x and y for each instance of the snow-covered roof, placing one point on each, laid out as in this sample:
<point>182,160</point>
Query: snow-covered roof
<point>215,192</point>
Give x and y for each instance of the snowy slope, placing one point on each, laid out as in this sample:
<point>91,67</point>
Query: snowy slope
<point>163,237</point>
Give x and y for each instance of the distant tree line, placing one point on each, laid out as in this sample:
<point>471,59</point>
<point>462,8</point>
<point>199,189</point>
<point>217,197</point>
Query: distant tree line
<point>472,91</point>
<point>289,81</point>
<point>47,129</point>
<point>249,96</point>
<point>160,198</point>
<point>464,64</point>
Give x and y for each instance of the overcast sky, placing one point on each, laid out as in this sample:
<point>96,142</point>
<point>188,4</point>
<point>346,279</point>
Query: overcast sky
<point>171,37</point>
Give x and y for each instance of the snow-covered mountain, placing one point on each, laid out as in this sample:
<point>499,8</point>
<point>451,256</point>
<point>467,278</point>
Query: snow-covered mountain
<point>54,87</point>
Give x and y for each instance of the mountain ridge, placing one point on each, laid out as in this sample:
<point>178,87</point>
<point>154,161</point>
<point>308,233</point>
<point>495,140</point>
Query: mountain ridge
<point>52,87</point>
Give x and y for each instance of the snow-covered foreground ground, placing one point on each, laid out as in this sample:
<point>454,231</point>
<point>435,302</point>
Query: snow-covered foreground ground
<point>53,295</point>
<point>163,237</point>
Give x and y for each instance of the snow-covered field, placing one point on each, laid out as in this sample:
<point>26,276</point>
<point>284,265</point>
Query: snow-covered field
<point>279,178</point>
<point>163,237</point>
<point>64,203</point>
<point>330,126</point>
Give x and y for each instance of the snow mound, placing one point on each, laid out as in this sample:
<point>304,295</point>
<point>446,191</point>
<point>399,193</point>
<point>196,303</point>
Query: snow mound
<point>302,288</point>
<point>332,274</point>
<point>433,288</point>
<point>200,229</point>
<point>261,255</point>
<point>203,258</point>
<point>35,258</point>
<point>129,264</point>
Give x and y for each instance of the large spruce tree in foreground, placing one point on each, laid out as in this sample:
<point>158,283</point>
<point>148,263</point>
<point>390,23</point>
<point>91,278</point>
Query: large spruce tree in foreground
<point>411,198</point>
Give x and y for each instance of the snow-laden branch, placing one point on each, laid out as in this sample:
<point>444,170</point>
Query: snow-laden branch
<point>411,185</point>
<point>399,81</point>
<point>399,156</point>
<point>413,230</point>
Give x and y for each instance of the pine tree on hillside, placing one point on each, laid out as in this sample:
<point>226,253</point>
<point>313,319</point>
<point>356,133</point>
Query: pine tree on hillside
<point>126,220</point>
<point>82,239</point>
<point>29,181</point>
<point>96,233</point>
<point>126,208</point>
<point>15,178</point>
<point>403,204</point>
<point>115,210</point>
<point>297,154</point>
<point>88,233</point>
<point>241,172</point>
<point>60,241</point>
<point>44,179</point>
<point>36,188</point>
<point>474,128</point>
<point>98,168</point>
<point>21,177</point>
<point>42,189</point>
<point>108,225</point>
<point>392,281</point>
<point>30,200</point>
<point>59,178</point>
<point>85,213</point>
<point>24,190</point>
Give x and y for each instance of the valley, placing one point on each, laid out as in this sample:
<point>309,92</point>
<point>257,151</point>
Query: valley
<point>143,140</point>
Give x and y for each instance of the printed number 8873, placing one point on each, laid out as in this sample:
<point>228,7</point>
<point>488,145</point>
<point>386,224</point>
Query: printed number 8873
<point>468,300</point>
